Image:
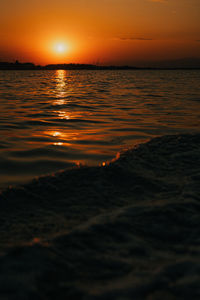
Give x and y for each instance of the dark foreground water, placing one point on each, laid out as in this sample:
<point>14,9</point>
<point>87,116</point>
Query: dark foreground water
<point>51,120</point>
<point>129,230</point>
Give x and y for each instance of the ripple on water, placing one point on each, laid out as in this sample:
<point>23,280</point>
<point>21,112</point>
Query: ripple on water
<point>50,120</point>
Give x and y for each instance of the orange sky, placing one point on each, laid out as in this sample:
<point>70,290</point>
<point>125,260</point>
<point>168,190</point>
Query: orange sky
<point>99,31</point>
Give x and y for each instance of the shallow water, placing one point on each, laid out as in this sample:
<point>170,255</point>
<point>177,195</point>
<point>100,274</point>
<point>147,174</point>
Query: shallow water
<point>51,120</point>
<point>129,230</point>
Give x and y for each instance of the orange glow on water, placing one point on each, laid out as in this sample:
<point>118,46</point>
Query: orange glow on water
<point>86,117</point>
<point>56,133</point>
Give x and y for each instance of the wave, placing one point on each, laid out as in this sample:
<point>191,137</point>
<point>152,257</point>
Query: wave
<point>126,230</point>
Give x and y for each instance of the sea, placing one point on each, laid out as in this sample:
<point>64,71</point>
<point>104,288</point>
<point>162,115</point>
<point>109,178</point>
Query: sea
<point>97,227</point>
<point>54,120</point>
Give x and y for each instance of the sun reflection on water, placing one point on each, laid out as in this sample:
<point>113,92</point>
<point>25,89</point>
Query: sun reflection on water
<point>61,87</point>
<point>56,133</point>
<point>62,134</point>
<point>61,138</point>
<point>62,114</point>
<point>61,79</point>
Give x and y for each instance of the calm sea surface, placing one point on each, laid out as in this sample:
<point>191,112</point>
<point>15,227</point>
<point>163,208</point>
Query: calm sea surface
<point>52,120</point>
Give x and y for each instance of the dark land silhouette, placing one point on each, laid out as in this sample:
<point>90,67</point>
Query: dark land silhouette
<point>173,64</point>
<point>71,66</point>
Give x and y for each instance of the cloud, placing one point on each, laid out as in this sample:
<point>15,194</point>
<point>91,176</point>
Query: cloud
<point>134,39</point>
<point>159,1</point>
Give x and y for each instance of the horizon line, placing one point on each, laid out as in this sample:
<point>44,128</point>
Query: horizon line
<point>6,65</point>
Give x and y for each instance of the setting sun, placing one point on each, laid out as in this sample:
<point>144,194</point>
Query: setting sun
<point>60,48</point>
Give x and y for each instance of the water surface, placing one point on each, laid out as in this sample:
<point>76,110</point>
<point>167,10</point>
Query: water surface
<point>52,120</point>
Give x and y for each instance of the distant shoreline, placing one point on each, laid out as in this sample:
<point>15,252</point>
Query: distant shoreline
<point>6,66</point>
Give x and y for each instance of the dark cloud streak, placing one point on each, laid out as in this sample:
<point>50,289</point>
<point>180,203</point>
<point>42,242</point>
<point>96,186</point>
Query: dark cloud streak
<point>134,39</point>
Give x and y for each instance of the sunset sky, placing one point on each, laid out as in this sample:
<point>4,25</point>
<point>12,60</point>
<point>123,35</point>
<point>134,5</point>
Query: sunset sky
<point>98,31</point>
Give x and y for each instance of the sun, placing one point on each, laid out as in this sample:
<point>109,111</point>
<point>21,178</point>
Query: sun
<point>60,48</point>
